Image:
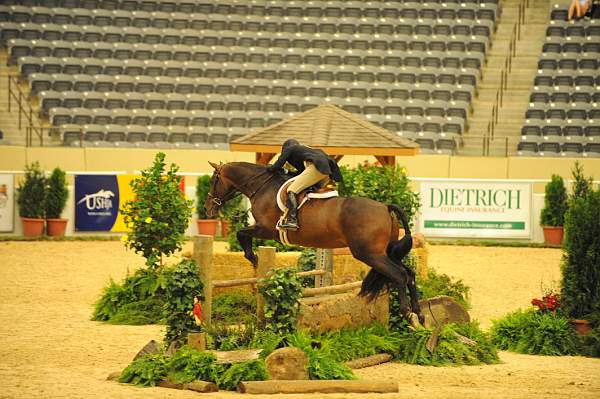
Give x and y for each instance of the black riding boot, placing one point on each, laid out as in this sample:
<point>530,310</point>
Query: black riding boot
<point>291,220</point>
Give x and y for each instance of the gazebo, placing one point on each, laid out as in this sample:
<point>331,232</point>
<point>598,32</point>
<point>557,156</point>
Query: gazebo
<point>331,129</point>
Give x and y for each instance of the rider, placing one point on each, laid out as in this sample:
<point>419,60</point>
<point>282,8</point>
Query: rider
<point>313,166</point>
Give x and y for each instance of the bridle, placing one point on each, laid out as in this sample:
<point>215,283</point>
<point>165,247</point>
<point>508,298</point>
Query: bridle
<point>220,201</point>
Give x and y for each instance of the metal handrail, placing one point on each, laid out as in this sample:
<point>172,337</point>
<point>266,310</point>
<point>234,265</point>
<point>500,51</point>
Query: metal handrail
<point>24,110</point>
<point>505,72</point>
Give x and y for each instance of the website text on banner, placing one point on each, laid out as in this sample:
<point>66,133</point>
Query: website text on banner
<point>475,209</point>
<point>7,202</point>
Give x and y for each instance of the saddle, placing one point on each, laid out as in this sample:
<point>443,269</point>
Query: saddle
<point>328,191</point>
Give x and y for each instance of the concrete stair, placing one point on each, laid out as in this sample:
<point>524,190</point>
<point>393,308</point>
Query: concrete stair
<point>9,121</point>
<point>520,80</point>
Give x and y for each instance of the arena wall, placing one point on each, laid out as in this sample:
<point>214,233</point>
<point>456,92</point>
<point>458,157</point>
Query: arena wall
<point>196,161</point>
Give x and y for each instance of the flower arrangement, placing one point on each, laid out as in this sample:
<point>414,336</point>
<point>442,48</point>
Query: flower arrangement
<point>549,303</point>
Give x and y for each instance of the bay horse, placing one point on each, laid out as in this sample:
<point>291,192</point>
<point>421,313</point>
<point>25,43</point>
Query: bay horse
<point>367,227</point>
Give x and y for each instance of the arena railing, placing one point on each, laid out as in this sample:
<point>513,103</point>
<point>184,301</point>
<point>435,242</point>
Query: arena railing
<point>25,110</point>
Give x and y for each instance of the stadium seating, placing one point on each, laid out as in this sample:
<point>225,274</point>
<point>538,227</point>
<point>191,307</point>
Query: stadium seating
<point>563,117</point>
<point>153,70</point>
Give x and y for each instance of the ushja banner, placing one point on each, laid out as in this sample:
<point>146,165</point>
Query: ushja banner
<point>488,209</point>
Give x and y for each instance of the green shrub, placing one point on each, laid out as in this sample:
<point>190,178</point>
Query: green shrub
<point>555,202</point>
<point>202,190</point>
<point>348,344</point>
<point>590,343</point>
<point>321,363</point>
<point>31,192</point>
<point>381,183</point>
<point>189,364</point>
<point>450,349</point>
<point>56,194</point>
<point>253,370</point>
<point>158,215</point>
<point>233,307</point>
<point>581,185</point>
<point>179,301</point>
<point>137,300</point>
<point>580,292</point>
<point>145,371</point>
<point>281,290</point>
<point>442,284</point>
<point>535,333</point>
<point>306,262</point>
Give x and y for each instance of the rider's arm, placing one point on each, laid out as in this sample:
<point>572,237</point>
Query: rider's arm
<point>285,154</point>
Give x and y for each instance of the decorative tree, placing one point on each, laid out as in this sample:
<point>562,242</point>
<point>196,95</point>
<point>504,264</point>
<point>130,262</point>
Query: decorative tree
<point>581,185</point>
<point>159,214</point>
<point>580,293</point>
<point>555,202</point>
<point>381,183</point>
<point>31,192</point>
<point>56,194</point>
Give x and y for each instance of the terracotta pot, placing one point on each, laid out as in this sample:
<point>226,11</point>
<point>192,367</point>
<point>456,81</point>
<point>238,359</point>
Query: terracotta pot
<point>553,235</point>
<point>32,227</point>
<point>224,228</point>
<point>582,327</point>
<point>207,227</point>
<point>56,227</point>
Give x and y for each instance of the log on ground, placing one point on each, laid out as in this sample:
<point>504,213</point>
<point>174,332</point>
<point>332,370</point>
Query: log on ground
<point>196,386</point>
<point>369,361</point>
<point>317,386</point>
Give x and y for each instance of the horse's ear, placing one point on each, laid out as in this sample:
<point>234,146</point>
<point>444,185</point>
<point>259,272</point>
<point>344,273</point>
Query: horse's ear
<point>214,165</point>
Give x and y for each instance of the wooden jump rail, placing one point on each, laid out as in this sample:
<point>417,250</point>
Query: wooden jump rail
<point>254,280</point>
<point>203,251</point>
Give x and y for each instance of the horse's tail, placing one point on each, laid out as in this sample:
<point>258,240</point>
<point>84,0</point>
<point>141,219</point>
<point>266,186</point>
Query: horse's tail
<point>374,282</point>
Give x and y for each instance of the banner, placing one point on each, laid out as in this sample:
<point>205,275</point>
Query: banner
<point>475,209</point>
<point>98,199</point>
<point>7,202</point>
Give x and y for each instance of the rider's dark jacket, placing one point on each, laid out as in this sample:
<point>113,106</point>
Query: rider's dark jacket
<point>296,155</point>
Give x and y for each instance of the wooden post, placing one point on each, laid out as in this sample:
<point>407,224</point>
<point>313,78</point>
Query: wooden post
<point>197,341</point>
<point>266,262</point>
<point>203,256</point>
<point>324,262</point>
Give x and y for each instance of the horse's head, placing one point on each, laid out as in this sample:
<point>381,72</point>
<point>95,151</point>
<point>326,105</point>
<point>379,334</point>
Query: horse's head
<point>221,190</point>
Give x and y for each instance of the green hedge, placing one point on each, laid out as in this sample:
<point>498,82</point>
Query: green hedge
<point>535,333</point>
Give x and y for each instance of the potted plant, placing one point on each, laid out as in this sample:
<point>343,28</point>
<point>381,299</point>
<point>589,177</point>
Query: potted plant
<point>553,215</point>
<point>30,198</point>
<point>229,210</point>
<point>206,226</point>
<point>56,199</point>
<point>580,285</point>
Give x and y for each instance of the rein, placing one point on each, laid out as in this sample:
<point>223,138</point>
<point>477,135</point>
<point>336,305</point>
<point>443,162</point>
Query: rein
<point>219,201</point>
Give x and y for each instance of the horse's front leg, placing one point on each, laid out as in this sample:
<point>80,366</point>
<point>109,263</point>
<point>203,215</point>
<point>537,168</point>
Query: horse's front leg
<point>244,237</point>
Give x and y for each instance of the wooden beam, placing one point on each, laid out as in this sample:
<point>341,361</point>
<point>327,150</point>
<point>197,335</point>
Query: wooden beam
<point>332,289</point>
<point>254,280</point>
<point>263,158</point>
<point>386,160</point>
<point>369,361</point>
<point>317,386</point>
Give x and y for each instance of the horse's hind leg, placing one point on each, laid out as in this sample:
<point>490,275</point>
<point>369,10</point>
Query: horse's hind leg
<point>384,265</point>
<point>414,295</point>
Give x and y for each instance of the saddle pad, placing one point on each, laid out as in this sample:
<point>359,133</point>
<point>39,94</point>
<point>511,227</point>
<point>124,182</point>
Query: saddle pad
<point>282,195</point>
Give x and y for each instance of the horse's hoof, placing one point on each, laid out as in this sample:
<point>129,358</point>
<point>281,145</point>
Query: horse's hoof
<point>414,320</point>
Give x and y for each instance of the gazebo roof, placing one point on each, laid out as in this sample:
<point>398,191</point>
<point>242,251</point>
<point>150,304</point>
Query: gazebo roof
<point>330,128</point>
